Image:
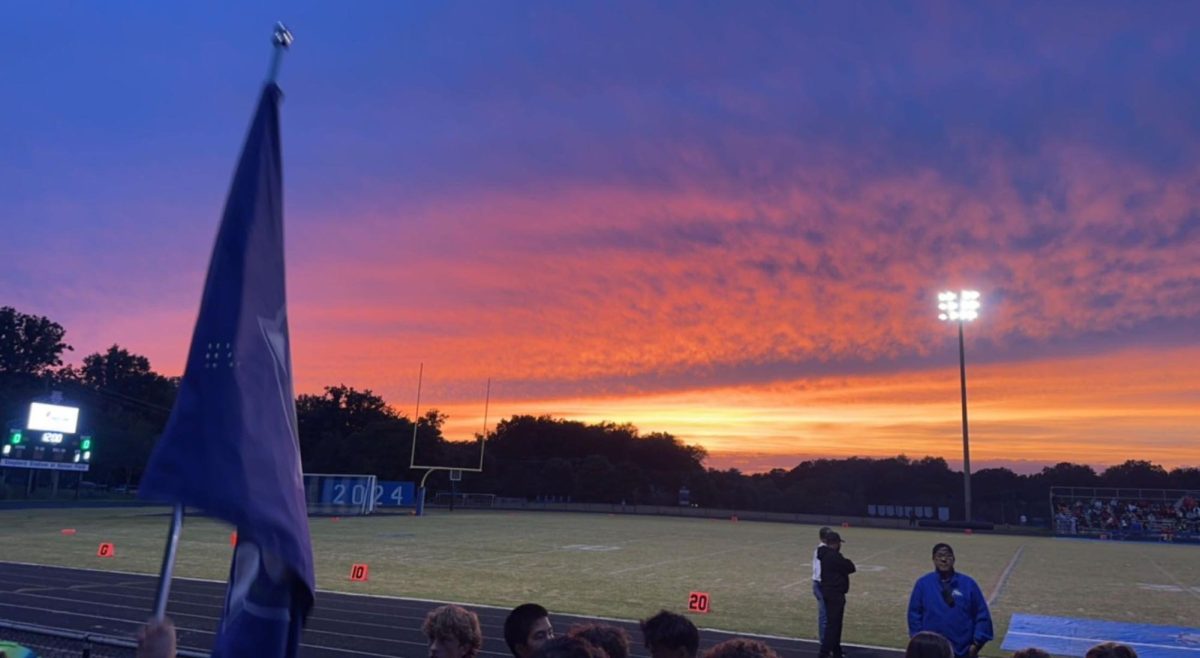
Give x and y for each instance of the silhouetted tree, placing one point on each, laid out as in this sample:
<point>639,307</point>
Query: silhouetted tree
<point>29,344</point>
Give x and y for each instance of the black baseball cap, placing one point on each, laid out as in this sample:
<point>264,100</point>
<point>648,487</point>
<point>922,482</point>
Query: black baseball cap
<point>833,538</point>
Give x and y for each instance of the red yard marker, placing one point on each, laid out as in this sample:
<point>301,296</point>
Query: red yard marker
<point>968,531</point>
<point>845,524</point>
<point>106,550</point>
<point>733,518</point>
<point>68,531</point>
<point>336,519</point>
<point>358,573</point>
<point>698,602</point>
<point>233,539</point>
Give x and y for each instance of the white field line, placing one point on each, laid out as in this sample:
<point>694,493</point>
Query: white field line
<point>686,558</point>
<point>872,556</point>
<point>1098,640</point>
<point>1168,574</point>
<point>32,590</point>
<point>1012,563</point>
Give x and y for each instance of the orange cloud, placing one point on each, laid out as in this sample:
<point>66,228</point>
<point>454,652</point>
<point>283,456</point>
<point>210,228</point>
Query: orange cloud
<point>1136,404</point>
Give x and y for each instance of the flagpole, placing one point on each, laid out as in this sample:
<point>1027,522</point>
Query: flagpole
<point>168,564</point>
<point>282,39</point>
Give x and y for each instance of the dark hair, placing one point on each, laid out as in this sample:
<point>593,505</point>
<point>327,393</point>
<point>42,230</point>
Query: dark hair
<point>670,631</point>
<point>940,545</point>
<point>565,646</point>
<point>451,621</point>
<point>1111,650</point>
<point>1031,652</point>
<point>822,532</point>
<point>613,640</point>
<point>928,644</point>
<point>740,647</point>
<point>519,622</point>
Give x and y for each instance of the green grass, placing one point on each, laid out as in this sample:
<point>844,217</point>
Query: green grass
<point>757,574</point>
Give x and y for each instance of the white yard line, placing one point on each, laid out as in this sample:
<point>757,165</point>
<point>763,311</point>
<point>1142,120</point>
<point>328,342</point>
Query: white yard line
<point>1098,640</point>
<point>740,549</point>
<point>991,599</point>
<point>1177,581</point>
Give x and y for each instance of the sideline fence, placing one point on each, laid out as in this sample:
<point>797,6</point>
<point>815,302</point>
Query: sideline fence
<point>57,643</point>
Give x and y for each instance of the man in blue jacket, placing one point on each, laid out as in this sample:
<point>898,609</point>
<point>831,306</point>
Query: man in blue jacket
<point>950,604</point>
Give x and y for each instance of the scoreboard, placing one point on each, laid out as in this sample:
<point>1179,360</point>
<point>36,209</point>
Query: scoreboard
<point>48,441</point>
<point>46,450</point>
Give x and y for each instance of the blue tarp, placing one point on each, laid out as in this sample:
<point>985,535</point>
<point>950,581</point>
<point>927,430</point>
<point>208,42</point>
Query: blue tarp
<point>1066,636</point>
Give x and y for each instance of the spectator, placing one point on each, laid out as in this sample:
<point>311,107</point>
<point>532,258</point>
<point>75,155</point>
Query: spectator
<point>1031,652</point>
<point>822,615</point>
<point>928,644</point>
<point>613,640</point>
<point>453,632</point>
<point>526,628</point>
<point>156,639</point>
<point>835,583</point>
<point>668,635</point>
<point>741,648</point>
<point>950,604</point>
<point>1111,650</point>
<point>567,647</point>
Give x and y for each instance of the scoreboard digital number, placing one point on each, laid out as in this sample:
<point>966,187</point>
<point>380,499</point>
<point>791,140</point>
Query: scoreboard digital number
<point>53,450</point>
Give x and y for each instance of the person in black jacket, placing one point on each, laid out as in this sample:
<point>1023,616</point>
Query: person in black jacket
<point>835,582</point>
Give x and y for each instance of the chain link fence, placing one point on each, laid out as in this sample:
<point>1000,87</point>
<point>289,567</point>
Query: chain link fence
<point>43,642</point>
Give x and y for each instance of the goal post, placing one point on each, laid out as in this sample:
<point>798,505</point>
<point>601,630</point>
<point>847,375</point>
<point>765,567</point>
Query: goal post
<point>339,494</point>
<point>455,471</point>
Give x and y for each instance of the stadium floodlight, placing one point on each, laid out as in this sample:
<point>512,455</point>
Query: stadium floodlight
<point>961,307</point>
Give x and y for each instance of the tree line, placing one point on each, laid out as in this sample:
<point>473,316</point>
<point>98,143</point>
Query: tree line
<point>346,430</point>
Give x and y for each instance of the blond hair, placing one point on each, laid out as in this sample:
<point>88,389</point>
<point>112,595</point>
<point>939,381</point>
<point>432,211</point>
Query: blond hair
<point>451,621</point>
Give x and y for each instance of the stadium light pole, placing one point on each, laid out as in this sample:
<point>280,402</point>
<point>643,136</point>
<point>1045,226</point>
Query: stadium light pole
<point>961,307</point>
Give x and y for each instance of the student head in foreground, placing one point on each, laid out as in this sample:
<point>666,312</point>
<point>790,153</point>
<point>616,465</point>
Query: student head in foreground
<point>565,646</point>
<point>741,647</point>
<point>669,635</point>
<point>613,640</point>
<point>453,632</point>
<point>526,628</point>
<point>928,644</point>
<point>1111,650</point>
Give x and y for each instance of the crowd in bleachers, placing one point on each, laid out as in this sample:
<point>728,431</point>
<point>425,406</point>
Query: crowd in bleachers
<point>1129,518</point>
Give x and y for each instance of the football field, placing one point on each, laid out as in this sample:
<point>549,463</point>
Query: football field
<point>757,575</point>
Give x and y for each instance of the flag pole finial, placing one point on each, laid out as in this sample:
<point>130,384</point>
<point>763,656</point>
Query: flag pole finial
<point>282,38</point>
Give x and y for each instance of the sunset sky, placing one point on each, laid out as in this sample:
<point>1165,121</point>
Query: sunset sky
<point>728,221</point>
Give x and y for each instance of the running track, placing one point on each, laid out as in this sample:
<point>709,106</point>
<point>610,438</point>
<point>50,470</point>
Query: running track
<point>342,625</point>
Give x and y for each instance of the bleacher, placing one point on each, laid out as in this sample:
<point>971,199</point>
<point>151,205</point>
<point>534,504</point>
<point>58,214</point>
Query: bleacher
<point>1143,514</point>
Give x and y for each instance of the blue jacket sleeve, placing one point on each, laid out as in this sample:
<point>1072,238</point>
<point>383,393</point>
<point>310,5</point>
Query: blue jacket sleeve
<point>983,618</point>
<point>916,609</point>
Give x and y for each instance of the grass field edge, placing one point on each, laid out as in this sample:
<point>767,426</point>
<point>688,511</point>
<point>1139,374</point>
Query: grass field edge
<point>763,636</point>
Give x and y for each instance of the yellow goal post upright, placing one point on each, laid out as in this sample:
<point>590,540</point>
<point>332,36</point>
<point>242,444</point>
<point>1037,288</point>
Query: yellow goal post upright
<point>455,471</point>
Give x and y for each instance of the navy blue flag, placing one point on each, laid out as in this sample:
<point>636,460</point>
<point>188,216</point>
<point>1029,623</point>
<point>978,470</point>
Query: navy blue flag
<point>230,446</point>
